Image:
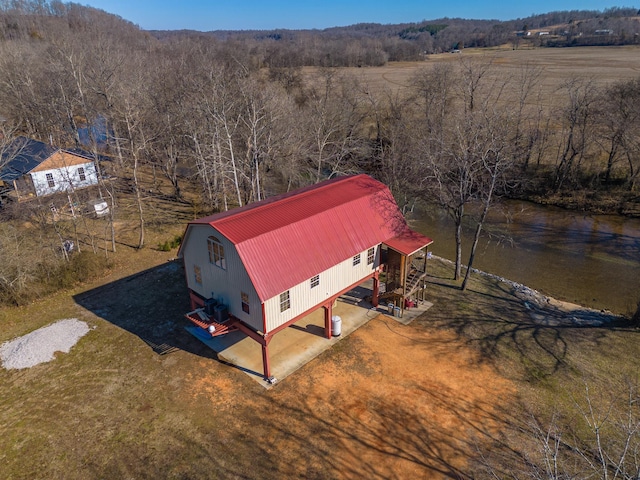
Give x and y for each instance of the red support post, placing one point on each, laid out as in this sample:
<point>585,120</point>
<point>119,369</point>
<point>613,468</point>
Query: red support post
<point>265,361</point>
<point>376,290</point>
<point>328,310</point>
<point>196,302</point>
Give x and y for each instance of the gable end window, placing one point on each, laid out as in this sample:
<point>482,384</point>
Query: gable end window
<point>356,260</point>
<point>81,174</point>
<point>315,281</point>
<point>197,273</point>
<point>50,181</point>
<point>371,256</point>
<point>245,302</point>
<point>216,253</point>
<point>285,301</point>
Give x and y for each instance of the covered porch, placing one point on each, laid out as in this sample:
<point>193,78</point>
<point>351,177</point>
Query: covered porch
<point>403,281</point>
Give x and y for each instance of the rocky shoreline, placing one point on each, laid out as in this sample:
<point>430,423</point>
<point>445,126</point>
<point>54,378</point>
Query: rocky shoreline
<point>545,310</point>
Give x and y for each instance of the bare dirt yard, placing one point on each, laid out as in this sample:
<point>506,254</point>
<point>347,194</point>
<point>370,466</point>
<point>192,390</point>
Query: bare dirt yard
<point>138,397</point>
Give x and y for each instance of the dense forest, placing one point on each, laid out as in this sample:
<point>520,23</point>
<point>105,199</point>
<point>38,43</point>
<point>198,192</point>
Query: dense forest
<point>235,118</point>
<point>370,44</point>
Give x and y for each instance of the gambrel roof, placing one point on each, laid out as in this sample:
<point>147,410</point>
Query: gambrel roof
<point>289,238</point>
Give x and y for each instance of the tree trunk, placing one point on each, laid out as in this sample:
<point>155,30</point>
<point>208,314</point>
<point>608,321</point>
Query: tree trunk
<point>138,201</point>
<point>636,316</point>
<point>458,249</point>
<point>474,245</point>
<point>483,216</point>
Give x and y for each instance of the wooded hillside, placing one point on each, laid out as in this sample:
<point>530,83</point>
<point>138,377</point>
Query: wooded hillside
<point>218,121</point>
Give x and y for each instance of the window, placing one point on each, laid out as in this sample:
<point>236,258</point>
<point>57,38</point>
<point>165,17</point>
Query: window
<point>197,274</point>
<point>216,253</point>
<point>356,260</point>
<point>81,174</point>
<point>315,281</point>
<point>50,181</point>
<point>285,301</point>
<point>245,302</point>
<point>371,256</point>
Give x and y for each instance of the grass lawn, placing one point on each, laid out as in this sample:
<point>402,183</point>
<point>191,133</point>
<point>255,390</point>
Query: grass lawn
<point>138,397</point>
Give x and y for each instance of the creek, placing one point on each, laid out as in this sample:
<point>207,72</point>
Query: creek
<point>591,260</point>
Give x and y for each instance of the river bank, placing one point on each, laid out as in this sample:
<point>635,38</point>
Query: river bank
<point>589,202</point>
<point>547,310</point>
<point>585,259</point>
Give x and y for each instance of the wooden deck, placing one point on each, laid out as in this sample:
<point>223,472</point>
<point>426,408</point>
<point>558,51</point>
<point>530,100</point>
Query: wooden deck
<point>199,318</point>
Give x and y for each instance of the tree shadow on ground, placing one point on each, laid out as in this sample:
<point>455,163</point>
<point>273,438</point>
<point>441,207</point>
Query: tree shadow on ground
<point>501,319</point>
<point>377,436</point>
<point>149,304</point>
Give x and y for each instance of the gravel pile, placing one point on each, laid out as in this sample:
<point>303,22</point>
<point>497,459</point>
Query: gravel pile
<point>40,345</point>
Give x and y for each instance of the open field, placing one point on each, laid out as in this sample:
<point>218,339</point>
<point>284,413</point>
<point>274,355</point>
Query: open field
<point>138,397</point>
<point>603,65</point>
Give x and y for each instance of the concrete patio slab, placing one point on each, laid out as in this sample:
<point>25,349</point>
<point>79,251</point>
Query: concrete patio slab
<point>301,342</point>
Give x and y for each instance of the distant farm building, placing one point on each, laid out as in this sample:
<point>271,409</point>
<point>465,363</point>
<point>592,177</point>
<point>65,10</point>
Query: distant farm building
<point>262,267</point>
<point>35,169</point>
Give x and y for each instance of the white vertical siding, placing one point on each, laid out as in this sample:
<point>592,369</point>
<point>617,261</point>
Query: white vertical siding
<point>332,281</point>
<point>224,285</point>
<point>65,178</point>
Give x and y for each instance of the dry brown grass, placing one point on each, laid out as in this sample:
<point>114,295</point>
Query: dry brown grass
<point>139,397</point>
<point>602,64</point>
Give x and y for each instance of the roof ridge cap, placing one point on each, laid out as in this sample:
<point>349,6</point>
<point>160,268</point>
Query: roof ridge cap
<point>287,196</point>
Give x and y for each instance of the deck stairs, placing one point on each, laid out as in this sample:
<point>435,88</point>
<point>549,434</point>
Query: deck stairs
<point>201,319</point>
<point>413,281</point>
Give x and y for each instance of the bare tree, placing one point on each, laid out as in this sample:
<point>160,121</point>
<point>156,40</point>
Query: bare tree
<point>577,116</point>
<point>468,161</point>
<point>496,162</point>
<point>334,119</point>
<point>620,124</point>
<point>133,110</point>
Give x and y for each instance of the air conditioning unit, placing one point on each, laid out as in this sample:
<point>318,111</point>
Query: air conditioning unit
<point>221,313</point>
<point>210,306</point>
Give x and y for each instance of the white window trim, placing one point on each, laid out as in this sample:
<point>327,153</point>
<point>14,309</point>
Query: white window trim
<point>371,256</point>
<point>216,252</point>
<point>285,301</point>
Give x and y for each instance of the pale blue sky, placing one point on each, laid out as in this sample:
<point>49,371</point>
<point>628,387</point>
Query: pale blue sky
<point>206,15</point>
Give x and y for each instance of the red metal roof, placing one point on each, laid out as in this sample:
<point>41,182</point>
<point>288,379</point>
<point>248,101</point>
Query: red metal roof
<point>288,239</point>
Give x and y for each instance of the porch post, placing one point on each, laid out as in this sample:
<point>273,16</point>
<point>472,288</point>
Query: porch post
<point>376,289</point>
<point>404,267</point>
<point>426,255</point>
<point>328,310</point>
<point>265,360</point>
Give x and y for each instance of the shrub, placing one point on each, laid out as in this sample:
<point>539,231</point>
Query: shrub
<point>170,244</point>
<point>52,276</point>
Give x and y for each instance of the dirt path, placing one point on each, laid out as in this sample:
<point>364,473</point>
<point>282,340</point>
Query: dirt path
<point>390,401</point>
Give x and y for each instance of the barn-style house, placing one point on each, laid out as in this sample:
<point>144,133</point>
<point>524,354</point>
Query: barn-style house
<point>262,267</point>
